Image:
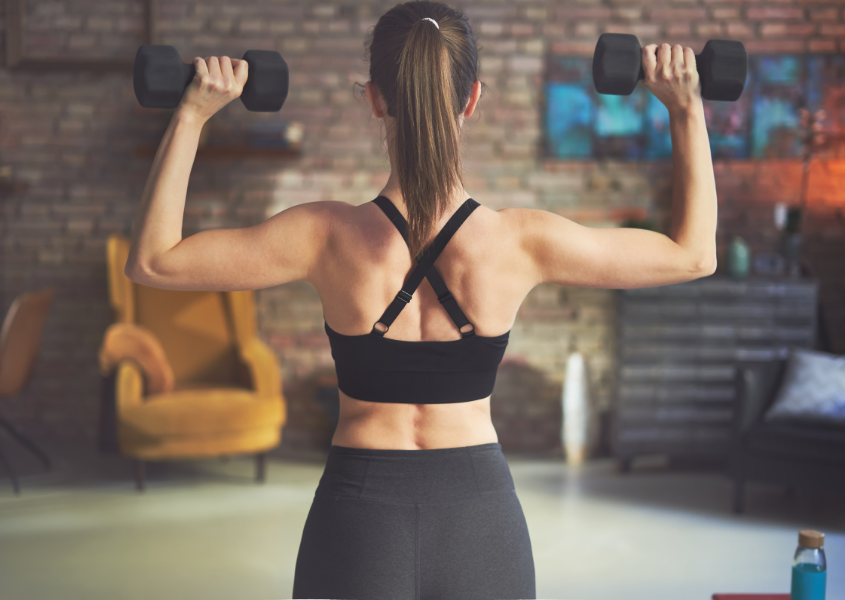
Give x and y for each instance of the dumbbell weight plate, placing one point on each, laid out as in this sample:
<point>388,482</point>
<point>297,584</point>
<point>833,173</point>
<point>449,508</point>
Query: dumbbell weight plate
<point>266,87</point>
<point>617,64</point>
<point>722,69</point>
<point>159,76</point>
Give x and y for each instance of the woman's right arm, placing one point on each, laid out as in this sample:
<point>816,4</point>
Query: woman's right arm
<point>562,251</point>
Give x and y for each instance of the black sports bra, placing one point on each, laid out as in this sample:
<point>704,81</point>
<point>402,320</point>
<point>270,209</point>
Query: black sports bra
<point>378,369</point>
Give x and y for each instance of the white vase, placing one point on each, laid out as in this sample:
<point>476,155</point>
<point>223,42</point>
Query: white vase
<point>575,410</point>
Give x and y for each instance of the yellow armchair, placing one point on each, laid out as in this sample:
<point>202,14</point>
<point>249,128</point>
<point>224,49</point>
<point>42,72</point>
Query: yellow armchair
<point>226,396</point>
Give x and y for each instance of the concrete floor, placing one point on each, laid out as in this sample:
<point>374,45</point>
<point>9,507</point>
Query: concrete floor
<point>203,529</point>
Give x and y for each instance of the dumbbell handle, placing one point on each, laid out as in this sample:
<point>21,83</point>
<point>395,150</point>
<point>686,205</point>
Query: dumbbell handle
<point>698,61</point>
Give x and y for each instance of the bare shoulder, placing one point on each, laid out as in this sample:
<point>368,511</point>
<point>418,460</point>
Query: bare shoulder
<point>562,251</point>
<point>300,235</point>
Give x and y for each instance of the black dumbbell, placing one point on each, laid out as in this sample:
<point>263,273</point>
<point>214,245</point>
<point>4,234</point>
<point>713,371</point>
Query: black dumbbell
<point>617,66</point>
<point>160,78</point>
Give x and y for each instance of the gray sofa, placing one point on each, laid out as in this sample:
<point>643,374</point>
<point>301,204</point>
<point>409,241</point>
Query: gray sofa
<point>795,455</point>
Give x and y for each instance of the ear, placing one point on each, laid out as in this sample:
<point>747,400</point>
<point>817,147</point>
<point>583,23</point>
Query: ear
<point>474,95</point>
<point>375,99</point>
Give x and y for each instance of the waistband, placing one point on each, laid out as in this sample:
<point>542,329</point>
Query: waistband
<point>414,476</point>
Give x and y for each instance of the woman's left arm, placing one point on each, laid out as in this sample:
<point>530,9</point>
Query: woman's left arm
<point>283,248</point>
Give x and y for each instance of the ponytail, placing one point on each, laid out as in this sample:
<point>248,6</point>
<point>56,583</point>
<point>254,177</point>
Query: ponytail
<point>425,74</point>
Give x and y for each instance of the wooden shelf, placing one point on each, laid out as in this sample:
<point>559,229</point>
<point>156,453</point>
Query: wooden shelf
<point>228,152</point>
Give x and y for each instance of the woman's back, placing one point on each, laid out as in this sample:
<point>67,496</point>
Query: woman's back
<point>366,262</point>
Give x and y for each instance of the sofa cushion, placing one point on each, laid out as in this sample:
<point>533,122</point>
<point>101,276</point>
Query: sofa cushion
<point>201,410</point>
<point>823,444</point>
<point>813,389</point>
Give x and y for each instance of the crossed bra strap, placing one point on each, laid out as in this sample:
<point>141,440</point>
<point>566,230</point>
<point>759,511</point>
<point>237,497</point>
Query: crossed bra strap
<point>425,266</point>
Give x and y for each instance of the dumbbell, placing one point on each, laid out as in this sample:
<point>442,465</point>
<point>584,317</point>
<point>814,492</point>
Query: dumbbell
<point>617,66</point>
<point>160,78</point>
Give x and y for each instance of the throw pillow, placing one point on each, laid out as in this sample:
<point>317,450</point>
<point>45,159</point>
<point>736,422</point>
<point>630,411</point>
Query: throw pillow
<point>813,388</point>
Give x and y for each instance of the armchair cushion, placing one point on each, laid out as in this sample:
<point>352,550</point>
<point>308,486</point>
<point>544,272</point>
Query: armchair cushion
<point>201,409</point>
<point>813,389</point>
<point>136,342</point>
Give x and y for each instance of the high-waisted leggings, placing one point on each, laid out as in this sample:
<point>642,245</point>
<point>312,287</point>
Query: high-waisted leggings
<point>437,524</point>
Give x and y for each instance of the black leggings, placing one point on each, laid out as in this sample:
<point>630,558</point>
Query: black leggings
<point>436,524</point>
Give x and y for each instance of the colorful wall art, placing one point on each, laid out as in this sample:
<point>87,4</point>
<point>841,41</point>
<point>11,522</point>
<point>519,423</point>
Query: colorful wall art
<point>763,123</point>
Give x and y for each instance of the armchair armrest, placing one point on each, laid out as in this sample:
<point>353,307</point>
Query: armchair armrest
<point>129,385</point>
<point>263,367</point>
<point>757,383</point>
<point>129,341</point>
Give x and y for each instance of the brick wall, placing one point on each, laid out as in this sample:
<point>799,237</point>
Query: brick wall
<point>71,137</point>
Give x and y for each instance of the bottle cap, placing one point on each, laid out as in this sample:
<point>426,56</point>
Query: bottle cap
<point>809,538</point>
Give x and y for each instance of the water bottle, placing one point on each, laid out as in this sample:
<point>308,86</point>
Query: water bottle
<point>809,569</point>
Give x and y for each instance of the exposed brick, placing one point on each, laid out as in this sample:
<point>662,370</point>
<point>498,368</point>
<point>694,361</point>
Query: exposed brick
<point>709,30</point>
<point>628,13</point>
<point>79,40</point>
<point>67,23</point>
<point>221,25</point>
<point>490,28</point>
<point>127,25</point>
<point>824,14</point>
<point>740,30</point>
<point>760,13</point>
<point>573,47</point>
<point>725,13</point>
<point>521,29</point>
<point>831,29</point>
<point>179,25</point>
<point>779,29</point>
<point>553,30</point>
<point>674,30</point>
<point>536,13</point>
<point>99,24</point>
<point>821,45</point>
<point>775,46</point>
<point>677,14</point>
<point>251,25</point>
<point>641,30</point>
<point>585,29</point>
<point>525,64</point>
<point>532,46</point>
<point>575,13</point>
<point>324,11</point>
<point>508,13</point>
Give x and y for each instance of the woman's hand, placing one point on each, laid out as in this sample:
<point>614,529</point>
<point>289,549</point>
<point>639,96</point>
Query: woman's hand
<point>214,85</point>
<point>671,75</point>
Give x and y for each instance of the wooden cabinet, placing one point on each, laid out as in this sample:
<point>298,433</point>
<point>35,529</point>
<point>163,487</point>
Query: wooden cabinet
<point>677,347</point>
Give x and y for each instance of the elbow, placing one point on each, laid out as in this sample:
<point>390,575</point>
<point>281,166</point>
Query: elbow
<point>135,273</point>
<point>706,266</point>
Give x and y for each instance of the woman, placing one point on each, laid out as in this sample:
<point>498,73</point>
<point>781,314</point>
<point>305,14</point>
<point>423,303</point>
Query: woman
<point>416,500</point>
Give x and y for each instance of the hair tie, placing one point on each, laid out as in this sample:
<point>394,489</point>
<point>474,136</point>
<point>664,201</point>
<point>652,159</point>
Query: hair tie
<point>432,20</point>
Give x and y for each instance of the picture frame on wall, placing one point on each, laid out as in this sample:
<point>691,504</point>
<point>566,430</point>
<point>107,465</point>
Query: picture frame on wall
<point>581,124</point>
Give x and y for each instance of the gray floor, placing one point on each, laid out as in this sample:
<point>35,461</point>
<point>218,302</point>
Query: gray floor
<point>204,530</point>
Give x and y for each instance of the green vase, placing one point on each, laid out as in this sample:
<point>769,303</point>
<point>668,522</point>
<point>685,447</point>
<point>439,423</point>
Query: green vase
<point>738,258</point>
